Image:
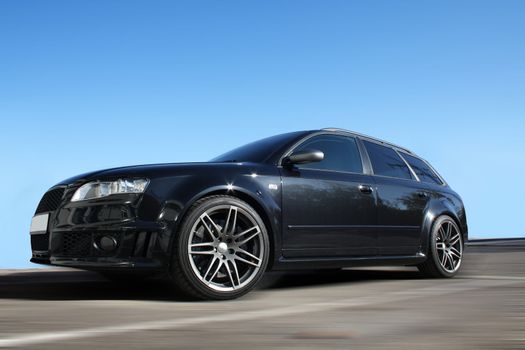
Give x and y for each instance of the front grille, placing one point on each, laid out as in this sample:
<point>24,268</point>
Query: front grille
<point>80,244</point>
<point>76,244</point>
<point>50,201</point>
<point>40,242</point>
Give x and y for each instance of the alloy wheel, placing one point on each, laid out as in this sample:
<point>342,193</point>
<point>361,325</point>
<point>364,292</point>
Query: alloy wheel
<point>449,246</point>
<point>226,248</point>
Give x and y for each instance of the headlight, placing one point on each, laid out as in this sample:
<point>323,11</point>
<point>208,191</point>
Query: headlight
<point>94,190</point>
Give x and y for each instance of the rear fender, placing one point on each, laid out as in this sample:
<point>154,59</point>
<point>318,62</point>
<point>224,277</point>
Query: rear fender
<point>434,210</point>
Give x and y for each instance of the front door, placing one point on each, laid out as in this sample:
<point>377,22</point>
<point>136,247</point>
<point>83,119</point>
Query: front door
<point>329,207</point>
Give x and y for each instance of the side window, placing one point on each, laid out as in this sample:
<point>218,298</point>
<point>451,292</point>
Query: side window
<point>340,153</point>
<point>423,171</point>
<point>386,162</point>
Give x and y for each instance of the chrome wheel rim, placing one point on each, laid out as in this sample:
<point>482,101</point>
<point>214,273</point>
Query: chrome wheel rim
<point>225,248</point>
<point>449,246</point>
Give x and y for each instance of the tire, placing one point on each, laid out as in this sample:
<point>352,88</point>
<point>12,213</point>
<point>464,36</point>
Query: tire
<point>445,251</point>
<point>229,249</point>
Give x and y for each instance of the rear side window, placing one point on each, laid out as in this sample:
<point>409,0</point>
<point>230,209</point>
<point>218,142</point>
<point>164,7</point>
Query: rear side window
<point>340,153</point>
<point>422,170</point>
<point>386,162</point>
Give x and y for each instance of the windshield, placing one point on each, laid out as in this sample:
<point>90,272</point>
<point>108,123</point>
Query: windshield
<point>259,151</point>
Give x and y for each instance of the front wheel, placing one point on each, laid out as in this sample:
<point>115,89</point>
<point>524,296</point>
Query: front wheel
<point>445,251</point>
<point>221,250</point>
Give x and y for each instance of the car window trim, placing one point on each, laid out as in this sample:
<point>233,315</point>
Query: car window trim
<point>408,165</point>
<point>335,171</point>
<point>321,133</point>
<point>440,178</point>
<point>397,178</point>
<point>380,143</point>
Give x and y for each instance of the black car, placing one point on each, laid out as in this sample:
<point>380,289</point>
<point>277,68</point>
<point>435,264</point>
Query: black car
<point>326,198</point>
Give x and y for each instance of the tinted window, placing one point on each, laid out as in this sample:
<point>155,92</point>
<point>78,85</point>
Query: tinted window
<point>259,151</point>
<point>422,170</point>
<point>386,161</point>
<point>340,153</point>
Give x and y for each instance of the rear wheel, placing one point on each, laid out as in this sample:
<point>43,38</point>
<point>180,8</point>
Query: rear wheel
<point>445,251</point>
<point>221,250</point>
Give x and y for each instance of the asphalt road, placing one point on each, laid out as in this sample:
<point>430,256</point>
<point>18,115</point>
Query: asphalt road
<point>483,308</point>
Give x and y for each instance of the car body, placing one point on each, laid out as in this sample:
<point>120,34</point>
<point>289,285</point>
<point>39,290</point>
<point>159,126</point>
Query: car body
<point>326,198</point>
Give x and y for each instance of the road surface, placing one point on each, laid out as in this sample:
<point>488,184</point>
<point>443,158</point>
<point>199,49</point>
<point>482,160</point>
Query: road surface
<point>378,308</point>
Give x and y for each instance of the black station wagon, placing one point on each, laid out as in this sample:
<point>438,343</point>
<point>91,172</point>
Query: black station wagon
<point>317,199</point>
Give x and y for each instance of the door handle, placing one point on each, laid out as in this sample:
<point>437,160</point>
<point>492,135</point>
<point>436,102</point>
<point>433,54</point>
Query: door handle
<point>365,189</point>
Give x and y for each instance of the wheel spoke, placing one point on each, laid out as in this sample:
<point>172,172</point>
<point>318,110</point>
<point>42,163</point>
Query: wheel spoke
<point>232,218</point>
<point>246,240</point>
<point>236,270</point>
<point>452,262</point>
<point>230,274</point>
<point>245,232</point>
<point>449,261</point>
<point>204,244</point>
<point>444,259</point>
<point>202,252</point>
<point>201,245</point>
<point>440,246</point>
<point>455,239</point>
<point>213,260</point>
<point>242,251</point>
<point>455,252</point>
<point>246,261</point>
<point>215,273</point>
<point>205,217</point>
<point>449,230</point>
<point>441,232</point>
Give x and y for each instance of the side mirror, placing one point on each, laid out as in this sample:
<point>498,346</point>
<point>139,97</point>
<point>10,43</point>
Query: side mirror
<point>303,157</point>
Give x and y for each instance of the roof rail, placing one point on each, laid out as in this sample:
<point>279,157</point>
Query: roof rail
<point>368,137</point>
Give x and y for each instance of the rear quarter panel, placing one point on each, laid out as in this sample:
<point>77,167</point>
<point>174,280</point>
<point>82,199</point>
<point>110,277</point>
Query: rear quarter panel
<point>443,201</point>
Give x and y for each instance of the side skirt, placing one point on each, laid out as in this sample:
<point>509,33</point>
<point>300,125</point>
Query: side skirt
<point>331,263</point>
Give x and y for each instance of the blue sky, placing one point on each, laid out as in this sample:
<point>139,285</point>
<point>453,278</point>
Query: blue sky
<point>87,85</point>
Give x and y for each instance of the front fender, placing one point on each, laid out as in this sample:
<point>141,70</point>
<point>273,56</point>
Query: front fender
<point>171,198</point>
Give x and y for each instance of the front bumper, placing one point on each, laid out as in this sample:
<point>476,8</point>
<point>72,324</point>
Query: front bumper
<point>137,247</point>
<point>75,230</point>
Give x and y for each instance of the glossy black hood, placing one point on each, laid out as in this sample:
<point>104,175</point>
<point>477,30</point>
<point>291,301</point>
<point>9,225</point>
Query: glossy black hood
<point>155,171</point>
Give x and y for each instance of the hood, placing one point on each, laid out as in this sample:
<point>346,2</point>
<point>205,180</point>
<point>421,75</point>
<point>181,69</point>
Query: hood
<point>150,171</point>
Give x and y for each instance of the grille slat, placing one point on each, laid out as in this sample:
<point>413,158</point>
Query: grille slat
<point>50,201</point>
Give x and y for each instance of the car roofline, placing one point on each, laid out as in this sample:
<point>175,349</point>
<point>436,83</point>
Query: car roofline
<point>370,138</point>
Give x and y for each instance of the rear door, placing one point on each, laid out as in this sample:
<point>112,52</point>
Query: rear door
<point>329,207</point>
<point>401,201</point>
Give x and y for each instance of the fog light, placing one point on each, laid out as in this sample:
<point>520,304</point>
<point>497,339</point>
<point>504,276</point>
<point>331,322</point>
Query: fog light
<point>106,243</point>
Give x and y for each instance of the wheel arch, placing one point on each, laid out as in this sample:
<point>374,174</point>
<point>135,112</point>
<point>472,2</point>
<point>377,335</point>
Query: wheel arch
<point>244,195</point>
<point>434,210</point>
